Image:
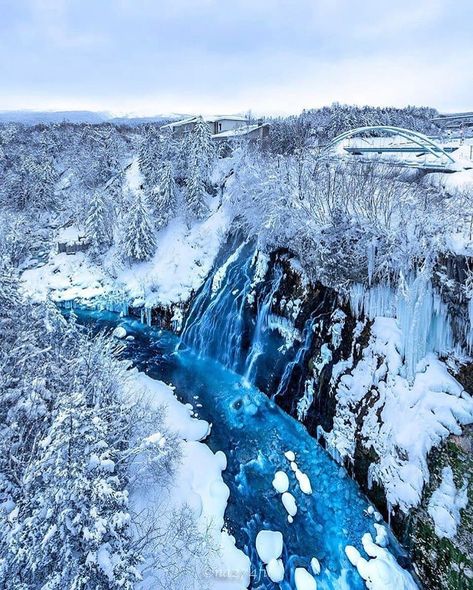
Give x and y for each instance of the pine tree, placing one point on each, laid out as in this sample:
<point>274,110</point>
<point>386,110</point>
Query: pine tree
<point>202,150</point>
<point>77,509</point>
<point>196,197</point>
<point>165,194</point>
<point>149,157</point>
<point>138,232</point>
<point>99,221</point>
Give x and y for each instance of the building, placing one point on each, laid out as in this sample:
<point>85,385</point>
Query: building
<point>254,132</point>
<point>217,124</point>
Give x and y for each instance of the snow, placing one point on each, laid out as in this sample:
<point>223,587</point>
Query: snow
<point>275,570</point>
<point>239,131</point>
<point>304,580</point>
<point>269,545</point>
<point>222,271</point>
<point>304,482</point>
<point>67,277</point>
<point>119,332</point>
<point>315,566</point>
<point>381,572</point>
<point>183,259</point>
<point>404,420</point>
<point>281,482</point>
<point>289,503</point>
<point>382,538</point>
<point>290,456</point>
<point>105,562</point>
<point>198,484</point>
<point>446,503</point>
<point>70,234</point>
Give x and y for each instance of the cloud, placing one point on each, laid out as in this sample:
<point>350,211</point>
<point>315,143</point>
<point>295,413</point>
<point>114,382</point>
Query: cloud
<point>207,55</point>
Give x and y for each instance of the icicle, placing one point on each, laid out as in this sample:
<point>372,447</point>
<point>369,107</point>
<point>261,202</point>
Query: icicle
<point>424,322</point>
<point>371,256</point>
<point>306,400</point>
<point>469,338</point>
<point>376,301</point>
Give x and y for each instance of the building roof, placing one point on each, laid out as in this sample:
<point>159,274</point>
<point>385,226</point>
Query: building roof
<point>207,119</point>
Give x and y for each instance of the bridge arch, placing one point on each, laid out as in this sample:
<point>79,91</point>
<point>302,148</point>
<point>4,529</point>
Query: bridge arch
<point>420,139</point>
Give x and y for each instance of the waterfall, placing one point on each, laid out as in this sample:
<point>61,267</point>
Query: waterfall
<point>307,336</point>
<point>261,328</point>
<point>216,321</point>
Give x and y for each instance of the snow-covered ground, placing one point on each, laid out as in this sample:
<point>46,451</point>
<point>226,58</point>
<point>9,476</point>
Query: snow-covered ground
<point>182,261</point>
<point>197,484</point>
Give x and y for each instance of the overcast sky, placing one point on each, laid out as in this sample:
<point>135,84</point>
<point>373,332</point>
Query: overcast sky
<point>216,56</point>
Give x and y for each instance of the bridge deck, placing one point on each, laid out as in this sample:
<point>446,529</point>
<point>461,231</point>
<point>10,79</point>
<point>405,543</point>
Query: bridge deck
<point>396,150</point>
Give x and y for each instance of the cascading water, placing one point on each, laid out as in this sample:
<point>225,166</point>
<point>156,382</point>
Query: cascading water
<point>216,321</point>
<point>254,434</point>
<point>307,335</point>
<point>222,323</point>
<point>261,328</point>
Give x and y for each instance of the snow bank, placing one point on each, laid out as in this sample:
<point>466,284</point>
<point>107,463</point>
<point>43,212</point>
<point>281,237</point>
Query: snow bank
<point>66,277</point>
<point>269,545</point>
<point>289,503</point>
<point>275,570</point>
<point>281,482</point>
<point>182,261</point>
<point>198,484</point>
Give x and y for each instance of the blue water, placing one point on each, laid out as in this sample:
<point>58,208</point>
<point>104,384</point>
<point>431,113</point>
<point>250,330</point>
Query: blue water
<point>223,325</point>
<point>254,434</point>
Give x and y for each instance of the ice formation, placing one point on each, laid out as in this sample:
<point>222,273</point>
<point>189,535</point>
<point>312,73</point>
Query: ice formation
<point>446,503</point>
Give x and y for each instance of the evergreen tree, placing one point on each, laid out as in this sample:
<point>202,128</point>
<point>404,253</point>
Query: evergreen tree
<point>165,194</point>
<point>98,223</point>
<point>196,197</point>
<point>149,157</point>
<point>76,505</point>
<point>138,232</point>
<point>202,150</point>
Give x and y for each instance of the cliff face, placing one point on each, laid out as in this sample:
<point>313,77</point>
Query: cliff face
<point>341,366</point>
<point>395,435</point>
<point>369,374</point>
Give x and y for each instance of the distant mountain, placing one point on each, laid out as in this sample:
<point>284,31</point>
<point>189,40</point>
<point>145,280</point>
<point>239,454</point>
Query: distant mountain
<point>35,117</point>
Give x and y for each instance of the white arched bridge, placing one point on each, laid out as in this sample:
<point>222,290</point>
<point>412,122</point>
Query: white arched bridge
<point>414,149</point>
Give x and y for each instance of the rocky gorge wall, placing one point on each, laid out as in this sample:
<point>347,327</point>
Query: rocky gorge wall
<point>339,364</point>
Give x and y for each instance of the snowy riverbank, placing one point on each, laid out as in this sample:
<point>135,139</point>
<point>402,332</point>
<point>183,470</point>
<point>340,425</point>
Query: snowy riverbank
<point>197,484</point>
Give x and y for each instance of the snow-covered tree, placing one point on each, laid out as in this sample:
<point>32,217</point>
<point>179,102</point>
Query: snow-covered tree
<point>149,156</point>
<point>201,150</point>
<point>165,194</point>
<point>138,238</point>
<point>99,221</point>
<point>196,197</point>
